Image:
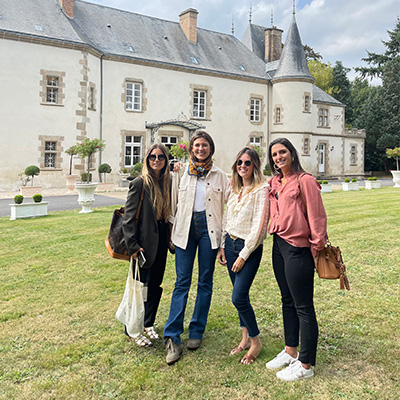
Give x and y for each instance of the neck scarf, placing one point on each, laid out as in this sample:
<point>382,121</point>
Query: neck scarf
<point>200,169</point>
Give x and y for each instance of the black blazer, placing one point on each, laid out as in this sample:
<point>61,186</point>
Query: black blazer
<point>143,232</point>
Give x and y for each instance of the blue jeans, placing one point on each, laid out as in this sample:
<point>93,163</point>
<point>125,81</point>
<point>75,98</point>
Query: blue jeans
<point>242,282</point>
<point>184,260</point>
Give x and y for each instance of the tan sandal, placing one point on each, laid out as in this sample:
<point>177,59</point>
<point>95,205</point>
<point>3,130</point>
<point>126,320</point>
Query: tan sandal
<point>151,333</point>
<point>238,349</point>
<point>141,341</point>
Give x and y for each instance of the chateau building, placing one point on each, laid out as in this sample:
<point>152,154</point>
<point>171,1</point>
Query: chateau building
<point>71,69</point>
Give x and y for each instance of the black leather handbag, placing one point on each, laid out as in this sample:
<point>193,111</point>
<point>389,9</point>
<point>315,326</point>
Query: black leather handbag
<point>115,241</point>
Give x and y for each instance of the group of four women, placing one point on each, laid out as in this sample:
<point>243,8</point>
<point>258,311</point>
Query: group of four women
<point>193,202</point>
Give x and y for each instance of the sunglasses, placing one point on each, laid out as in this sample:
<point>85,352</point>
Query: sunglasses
<point>247,163</point>
<point>153,157</point>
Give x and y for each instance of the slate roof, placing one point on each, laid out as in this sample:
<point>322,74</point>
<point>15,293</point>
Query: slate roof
<point>254,39</point>
<point>319,96</point>
<point>293,62</point>
<point>21,16</point>
<point>116,33</point>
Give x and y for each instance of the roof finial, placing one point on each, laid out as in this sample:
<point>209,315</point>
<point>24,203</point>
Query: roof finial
<point>250,12</point>
<point>272,18</point>
<point>233,26</point>
<point>294,7</point>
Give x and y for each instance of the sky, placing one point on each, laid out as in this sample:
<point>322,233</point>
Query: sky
<point>340,30</point>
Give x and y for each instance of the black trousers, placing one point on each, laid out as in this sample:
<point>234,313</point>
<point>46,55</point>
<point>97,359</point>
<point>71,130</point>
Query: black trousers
<point>153,277</point>
<point>294,272</point>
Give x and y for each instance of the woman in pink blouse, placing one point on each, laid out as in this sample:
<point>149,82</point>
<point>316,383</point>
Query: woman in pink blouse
<point>299,232</point>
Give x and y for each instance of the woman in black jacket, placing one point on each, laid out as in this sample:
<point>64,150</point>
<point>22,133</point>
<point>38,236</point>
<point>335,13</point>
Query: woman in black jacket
<point>150,232</point>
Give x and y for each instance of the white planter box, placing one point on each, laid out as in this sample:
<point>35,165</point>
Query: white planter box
<point>28,210</point>
<point>349,186</point>
<point>86,196</point>
<point>326,188</point>
<point>372,185</point>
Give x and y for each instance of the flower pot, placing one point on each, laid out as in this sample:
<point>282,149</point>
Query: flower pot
<point>29,191</point>
<point>326,188</point>
<point>349,186</point>
<point>396,178</point>
<point>372,185</point>
<point>70,182</point>
<point>28,210</point>
<point>85,196</point>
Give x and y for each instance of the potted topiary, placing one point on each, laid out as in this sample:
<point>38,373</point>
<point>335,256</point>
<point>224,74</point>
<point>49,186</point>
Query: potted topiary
<point>28,210</point>
<point>326,187</point>
<point>104,186</point>
<point>71,179</point>
<point>30,172</point>
<point>350,185</point>
<point>395,153</point>
<point>86,188</point>
<point>372,183</point>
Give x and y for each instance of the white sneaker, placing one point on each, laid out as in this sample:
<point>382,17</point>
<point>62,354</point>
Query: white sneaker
<point>294,372</point>
<point>281,360</point>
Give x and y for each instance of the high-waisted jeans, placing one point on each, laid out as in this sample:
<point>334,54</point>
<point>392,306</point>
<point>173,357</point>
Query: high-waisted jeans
<point>184,260</point>
<point>242,282</point>
<point>294,272</point>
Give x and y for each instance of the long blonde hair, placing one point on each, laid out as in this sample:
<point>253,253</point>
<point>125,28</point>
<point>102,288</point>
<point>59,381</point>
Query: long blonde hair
<point>257,178</point>
<point>160,189</point>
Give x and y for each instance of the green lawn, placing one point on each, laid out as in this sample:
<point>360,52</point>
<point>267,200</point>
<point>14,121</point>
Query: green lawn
<point>59,339</point>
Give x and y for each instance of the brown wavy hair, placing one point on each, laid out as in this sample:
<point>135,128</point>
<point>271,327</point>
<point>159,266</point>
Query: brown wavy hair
<point>257,178</point>
<point>159,189</point>
<point>206,136</point>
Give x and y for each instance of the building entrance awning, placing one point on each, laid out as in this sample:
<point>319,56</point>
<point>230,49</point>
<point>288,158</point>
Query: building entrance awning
<point>181,121</point>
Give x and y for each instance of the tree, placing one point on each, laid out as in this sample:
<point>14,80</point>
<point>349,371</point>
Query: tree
<point>377,61</point>
<point>311,54</point>
<point>86,149</point>
<point>32,171</point>
<point>323,75</point>
<point>342,89</point>
<point>369,118</point>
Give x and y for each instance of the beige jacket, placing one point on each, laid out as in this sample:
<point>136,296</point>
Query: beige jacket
<point>183,193</point>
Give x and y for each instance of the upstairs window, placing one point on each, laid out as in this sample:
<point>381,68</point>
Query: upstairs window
<point>133,96</point>
<point>52,87</point>
<point>278,117</point>
<point>255,110</point>
<point>199,103</point>
<point>323,117</point>
<point>307,103</point>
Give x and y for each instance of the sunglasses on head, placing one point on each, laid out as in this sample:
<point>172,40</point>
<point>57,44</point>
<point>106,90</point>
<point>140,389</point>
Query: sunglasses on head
<point>247,163</point>
<point>153,157</point>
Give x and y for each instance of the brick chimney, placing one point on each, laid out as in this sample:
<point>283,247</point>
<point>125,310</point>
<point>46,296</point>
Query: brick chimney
<point>68,7</point>
<point>273,44</point>
<point>188,22</point>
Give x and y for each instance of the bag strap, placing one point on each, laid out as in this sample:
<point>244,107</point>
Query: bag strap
<point>301,194</point>
<point>140,201</point>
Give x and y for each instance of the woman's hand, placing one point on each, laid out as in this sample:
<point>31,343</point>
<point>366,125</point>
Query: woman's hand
<point>177,166</point>
<point>221,256</point>
<point>135,255</point>
<point>238,264</point>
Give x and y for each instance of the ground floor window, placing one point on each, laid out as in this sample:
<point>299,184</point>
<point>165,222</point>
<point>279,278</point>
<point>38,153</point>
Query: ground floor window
<point>133,150</point>
<point>50,154</point>
<point>169,141</point>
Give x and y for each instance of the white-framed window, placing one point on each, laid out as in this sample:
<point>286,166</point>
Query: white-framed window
<point>50,154</point>
<point>323,117</point>
<point>133,96</point>
<point>307,103</point>
<point>52,86</point>
<point>133,152</point>
<point>278,118</point>
<point>199,103</point>
<point>306,146</point>
<point>169,141</point>
<point>255,141</point>
<point>353,158</point>
<point>255,110</point>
